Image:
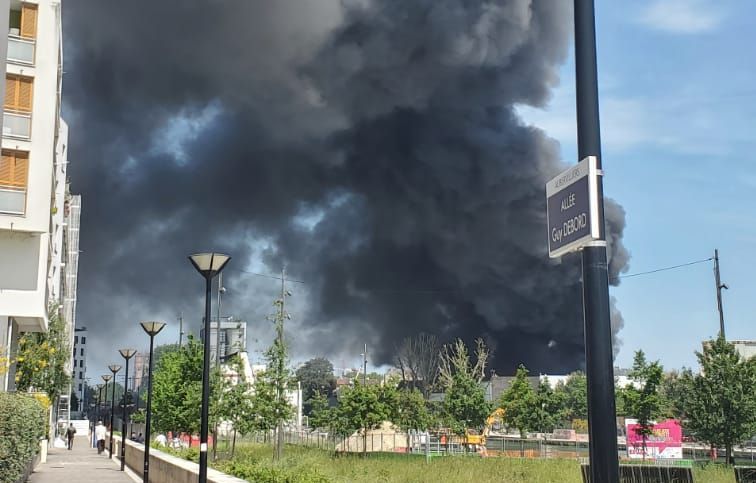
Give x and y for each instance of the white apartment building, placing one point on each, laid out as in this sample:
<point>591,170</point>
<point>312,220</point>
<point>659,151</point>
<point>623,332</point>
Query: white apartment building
<point>35,205</point>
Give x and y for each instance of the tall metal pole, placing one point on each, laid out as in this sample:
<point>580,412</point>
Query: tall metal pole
<point>124,422</point>
<point>720,286</point>
<point>114,369</point>
<point>279,389</point>
<point>181,328</point>
<point>364,366</point>
<point>217,356</point>
<point>205,384</point>
<point>604,465</point>
<point>97,414</point>
<point>146,472</point>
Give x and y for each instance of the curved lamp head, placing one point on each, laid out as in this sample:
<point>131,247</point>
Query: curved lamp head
<point>107,378</point>
<point>209,264</point>
<point>114,368</point>
<point>127,353</point>
<point>152,328</point>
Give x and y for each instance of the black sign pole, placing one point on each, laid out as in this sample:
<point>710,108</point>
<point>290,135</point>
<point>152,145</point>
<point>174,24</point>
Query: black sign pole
<point>604,467</point>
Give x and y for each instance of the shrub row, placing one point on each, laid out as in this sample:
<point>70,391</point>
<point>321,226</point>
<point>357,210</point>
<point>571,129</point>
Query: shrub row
<point>22,424</point>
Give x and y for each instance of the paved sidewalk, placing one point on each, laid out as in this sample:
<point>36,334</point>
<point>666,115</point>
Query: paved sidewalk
<point>81,464</point>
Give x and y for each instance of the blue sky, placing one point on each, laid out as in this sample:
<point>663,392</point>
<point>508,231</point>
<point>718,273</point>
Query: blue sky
<point>678,105</point>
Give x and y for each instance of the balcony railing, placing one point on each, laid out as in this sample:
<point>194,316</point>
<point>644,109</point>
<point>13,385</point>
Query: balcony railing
<point>12,200</point>
<point>20,50</point>
<point>16,124</point>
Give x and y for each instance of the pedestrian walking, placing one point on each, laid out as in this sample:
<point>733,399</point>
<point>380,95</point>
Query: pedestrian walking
<point>70,432</point>
<point>100,432</point>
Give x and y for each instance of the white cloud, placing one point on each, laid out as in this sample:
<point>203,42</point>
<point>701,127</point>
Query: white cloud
<point>682,16</point>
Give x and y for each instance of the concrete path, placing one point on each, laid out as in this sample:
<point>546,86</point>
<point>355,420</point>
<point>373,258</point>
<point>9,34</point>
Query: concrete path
<point>81,464</point>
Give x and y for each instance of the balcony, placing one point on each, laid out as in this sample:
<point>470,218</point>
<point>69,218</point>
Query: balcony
<point>12,200</point>
<point>20,50</point>
<point>16,124</point>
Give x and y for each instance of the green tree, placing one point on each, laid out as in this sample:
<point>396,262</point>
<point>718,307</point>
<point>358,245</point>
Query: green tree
<point>465,404</point>
<point>320,412</point>
<point>235,403</point>
<point>520,403</point>
<point>575,394</point>
<point>675,389</point>
<point>411,411</point>
<point>316,377</point>
<point>721,408</point>
<point>177,389</point>
<point>361,407</point>
<point>549,408</point>
<point>642,400</point>
<point>42,358</point>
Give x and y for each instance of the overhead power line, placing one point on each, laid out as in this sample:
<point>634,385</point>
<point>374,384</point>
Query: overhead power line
<point>673,267</point>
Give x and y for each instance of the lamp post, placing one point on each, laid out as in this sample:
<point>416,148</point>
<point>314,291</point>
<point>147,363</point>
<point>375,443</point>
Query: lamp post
<point>106,378</point>
<point>152,329</point>
<point>96,414</point>
<point>114,368</point>
<point>208,265</point>
<point>126,354</point>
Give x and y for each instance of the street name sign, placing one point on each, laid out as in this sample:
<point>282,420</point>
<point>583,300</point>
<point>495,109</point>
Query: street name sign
<point>572,208</point>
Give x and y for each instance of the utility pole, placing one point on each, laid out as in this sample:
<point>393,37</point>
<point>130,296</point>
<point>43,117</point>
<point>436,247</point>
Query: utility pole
<point>181,327</point>
<point>604,464</point>
<point>364,367</point>
<point>720,286</point>
<point>280,355</point>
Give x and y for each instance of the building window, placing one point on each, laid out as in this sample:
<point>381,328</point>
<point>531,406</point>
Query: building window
<point>23,23</point>
<point>81,363</point>
<point>79,387</point>
<point>14,169</point>
<point>81,375</point>
<point>83,340</point>
<point>82,352</point>
<point>18,93</point>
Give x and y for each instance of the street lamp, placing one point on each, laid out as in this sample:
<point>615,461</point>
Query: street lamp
<point>152,329</point>
<point>126,354</point>
<point>114,368</point>
<point>106,378</point>
<point>208,265</point>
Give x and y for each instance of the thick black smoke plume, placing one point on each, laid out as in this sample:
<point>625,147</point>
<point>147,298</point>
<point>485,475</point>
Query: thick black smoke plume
<point>372,147</point>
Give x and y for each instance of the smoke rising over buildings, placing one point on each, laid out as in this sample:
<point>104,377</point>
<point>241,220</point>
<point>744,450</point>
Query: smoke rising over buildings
<point>370,146</point>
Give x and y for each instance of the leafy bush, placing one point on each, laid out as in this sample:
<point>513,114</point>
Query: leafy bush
<point>268,472</point>
<point>22,424</point>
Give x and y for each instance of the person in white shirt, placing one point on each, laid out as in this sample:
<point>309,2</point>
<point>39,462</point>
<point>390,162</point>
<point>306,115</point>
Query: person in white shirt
<point>100,432</point>
<point>161,439</point>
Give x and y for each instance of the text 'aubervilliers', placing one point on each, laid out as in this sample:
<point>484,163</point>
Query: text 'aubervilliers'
<point>571,225</point>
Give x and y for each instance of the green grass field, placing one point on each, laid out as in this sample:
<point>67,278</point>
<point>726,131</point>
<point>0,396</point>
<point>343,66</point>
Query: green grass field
<point>308,465</point>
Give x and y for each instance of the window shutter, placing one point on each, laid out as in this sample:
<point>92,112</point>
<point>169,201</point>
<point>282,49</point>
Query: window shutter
<point>5,168</point>
<point>11,90</point>
<point>25,86</point>
<point>29,20</point>
<point>14,169</point>
<point>20,169</point>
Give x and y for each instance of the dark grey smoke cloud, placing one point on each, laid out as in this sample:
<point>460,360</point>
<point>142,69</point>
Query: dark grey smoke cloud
<point>372,147</point>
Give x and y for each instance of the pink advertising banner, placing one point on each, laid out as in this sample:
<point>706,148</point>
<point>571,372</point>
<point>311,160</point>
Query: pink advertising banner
<point>664,442</point>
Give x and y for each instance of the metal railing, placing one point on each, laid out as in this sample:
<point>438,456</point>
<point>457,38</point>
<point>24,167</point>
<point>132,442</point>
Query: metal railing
<point>16,124</point>
<point>21,50</point>
<point>12,200</point>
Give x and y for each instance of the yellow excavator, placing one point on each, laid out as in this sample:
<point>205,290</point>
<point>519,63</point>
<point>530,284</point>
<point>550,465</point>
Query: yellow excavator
<point>475,438</point>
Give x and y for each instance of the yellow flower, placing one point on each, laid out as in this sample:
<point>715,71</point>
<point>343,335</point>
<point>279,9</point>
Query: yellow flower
<point>20,359</point>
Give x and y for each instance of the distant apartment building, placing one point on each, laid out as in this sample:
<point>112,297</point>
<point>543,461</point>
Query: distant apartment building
<point>230,340</point>
<point>35,203</point>
<point>79,370</point>
<point>746,348</point>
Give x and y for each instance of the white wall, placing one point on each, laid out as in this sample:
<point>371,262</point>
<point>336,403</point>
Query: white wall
<point>22,282</point>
